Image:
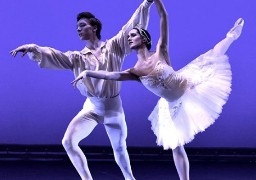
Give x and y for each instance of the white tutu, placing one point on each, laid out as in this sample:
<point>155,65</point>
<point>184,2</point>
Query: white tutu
<point>176,123</point>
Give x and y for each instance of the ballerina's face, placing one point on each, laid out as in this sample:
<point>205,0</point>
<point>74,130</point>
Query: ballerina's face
<point>135,40</point>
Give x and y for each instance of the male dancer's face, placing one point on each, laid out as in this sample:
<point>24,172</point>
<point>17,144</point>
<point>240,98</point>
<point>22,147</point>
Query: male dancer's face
<point>85,30</point>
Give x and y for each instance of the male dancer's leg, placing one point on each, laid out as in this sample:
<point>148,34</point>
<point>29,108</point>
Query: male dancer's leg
<point>116,128</point>
<point>79,128</point>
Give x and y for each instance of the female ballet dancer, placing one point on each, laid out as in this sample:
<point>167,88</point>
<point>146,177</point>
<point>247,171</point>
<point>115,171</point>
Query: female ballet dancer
<point>191,98</point>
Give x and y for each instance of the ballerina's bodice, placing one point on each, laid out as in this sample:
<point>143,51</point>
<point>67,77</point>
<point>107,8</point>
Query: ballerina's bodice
<point>165,82</point>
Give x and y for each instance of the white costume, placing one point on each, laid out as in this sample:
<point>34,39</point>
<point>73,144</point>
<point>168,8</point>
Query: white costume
<point>103,103</point>
<point>191,98</point>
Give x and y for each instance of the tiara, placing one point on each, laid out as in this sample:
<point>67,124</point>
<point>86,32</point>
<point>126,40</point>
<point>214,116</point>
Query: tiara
<point>143,33</point>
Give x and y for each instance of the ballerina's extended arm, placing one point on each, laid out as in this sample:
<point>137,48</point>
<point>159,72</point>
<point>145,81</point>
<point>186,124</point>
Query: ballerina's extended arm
<point>163,43</point>
<point>115,75</point>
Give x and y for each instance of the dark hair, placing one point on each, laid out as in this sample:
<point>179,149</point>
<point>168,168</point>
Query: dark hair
<point>93,21</point>
<point>144,33</point>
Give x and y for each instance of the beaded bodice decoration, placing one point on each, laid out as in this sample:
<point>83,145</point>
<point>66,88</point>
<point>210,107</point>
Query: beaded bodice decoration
<point>165,82</point>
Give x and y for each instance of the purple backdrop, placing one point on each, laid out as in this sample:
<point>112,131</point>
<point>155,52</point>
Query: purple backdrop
<point>38,104</point>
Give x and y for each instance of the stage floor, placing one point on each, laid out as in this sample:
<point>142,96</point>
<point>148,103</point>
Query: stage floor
<point>108,170</point>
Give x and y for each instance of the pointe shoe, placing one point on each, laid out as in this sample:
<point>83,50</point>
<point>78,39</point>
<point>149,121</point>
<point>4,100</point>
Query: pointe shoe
<point>236,30</point>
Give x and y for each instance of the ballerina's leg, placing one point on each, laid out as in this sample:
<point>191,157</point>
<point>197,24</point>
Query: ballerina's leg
<point>233,34</point>
<point>181,162</point>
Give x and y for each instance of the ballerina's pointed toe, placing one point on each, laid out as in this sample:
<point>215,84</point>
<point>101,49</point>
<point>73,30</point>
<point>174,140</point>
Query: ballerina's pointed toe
<point>239,22</point>
<point>236,31</point>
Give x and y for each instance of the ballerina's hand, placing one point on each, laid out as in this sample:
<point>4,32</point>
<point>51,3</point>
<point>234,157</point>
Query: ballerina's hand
<point>24,49</point>
<point>81,76</point>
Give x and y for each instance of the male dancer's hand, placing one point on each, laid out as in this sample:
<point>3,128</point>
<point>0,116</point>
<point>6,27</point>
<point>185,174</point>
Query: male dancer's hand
<point>24,49</point>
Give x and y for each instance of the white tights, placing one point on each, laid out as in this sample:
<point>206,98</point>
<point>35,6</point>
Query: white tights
<point>181,162</point>
<point>222,47</point>
<point>110,112</point>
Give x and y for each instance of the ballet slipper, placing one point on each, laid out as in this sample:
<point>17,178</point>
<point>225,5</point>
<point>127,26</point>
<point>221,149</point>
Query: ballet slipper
<point>236,31</point>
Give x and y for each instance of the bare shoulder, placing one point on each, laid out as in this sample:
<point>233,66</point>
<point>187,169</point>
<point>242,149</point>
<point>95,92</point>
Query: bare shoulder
<point>162,54</point>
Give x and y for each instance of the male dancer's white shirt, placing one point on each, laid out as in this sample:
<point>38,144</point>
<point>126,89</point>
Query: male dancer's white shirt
<point>113,52</point>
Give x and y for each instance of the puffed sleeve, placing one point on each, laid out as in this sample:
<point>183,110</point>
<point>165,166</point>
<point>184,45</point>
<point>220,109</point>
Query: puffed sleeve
<point>51,58</point>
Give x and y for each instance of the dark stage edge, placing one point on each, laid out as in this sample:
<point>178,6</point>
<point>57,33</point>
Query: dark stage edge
<point>50,162</point>
<point>105,153</point>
